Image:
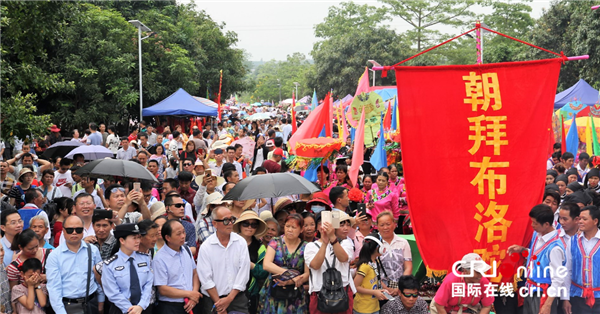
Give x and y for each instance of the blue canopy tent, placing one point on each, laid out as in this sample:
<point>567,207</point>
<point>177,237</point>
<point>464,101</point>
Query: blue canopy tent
<point>580,92</point>
<point>180,103</point>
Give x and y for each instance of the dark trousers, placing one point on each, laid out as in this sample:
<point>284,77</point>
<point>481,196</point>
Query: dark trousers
<point>578,306</point>
<point>239,304</point>
<point>170,307</point>
<point>532,305</point>
<point>115,309</point>
<point>507,305</point>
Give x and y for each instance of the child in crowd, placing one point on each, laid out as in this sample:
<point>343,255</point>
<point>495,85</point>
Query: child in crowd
<point>368,285</point>
<point>31,295</point>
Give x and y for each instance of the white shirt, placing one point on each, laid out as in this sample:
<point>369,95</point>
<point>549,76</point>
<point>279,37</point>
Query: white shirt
<point>316,282</point>
<point>213,273</point>
<point>216,170</point>
<point>126,154</point>
<point>53,193</point>
<point>287,129</point>
<point>60,181</point>
<point>113,143</point>
<point>588,245</point>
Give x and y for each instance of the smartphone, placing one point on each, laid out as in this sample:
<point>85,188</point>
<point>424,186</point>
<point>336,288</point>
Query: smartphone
<point>335,219</point>
<point>388,296</point>
<point>208,173</point>
<point>326,216</point>
<point>361,209</point>
<point>103,213</point>
<point>136,186</point>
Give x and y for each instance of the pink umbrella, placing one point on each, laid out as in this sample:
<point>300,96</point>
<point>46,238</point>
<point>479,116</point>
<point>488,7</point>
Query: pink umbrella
<point>248,146</point>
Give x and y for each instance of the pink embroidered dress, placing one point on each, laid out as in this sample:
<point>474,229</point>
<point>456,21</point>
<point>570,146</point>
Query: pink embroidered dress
<point>382,201</point>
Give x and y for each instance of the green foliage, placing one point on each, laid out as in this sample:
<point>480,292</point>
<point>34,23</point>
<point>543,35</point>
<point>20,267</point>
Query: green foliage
<point>268,77</point>
<point>78,61</point>
<point>351,35</point>
<point>18,118</point>
<point>570,27</point>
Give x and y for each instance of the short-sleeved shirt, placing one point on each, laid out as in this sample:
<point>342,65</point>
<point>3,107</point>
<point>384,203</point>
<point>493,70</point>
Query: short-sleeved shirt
<point>271,166</point>
<point>366,303</point>
<point>445,298</point>
<point>13,273</point>
<point>311,251</point>
<point>95,138</point>
<point>174,269</point>
<point>19,291</point>
<point>393,260</point>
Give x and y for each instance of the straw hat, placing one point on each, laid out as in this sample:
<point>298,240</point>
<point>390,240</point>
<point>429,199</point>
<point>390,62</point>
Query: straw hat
<point>220,144</point>
<point>157,209</point>
<point>266,214</point>
<point>281,203</point>
<point>344,217</point>
<point>249,215</point>
<point>248,204</point>
<point>215,198</point>
<point>220,180</point>
<point>23,172</point>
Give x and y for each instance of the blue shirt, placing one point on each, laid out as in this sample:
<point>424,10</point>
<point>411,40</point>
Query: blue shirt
<point>116,279</point>
<point>173,269</point>
<point>8,253</point>
<point>48,246</point>
<point>95,138</point>
<point>66,272</point>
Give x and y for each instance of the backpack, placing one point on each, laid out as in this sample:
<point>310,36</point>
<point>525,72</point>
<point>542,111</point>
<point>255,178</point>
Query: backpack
<point>333,297</point>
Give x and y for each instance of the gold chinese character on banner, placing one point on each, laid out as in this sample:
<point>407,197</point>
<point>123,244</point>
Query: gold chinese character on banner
<point>490,175</point>
<point>497,223</point>
<point>492,133</point>
<point>481,89</point>
<point>495,254</point>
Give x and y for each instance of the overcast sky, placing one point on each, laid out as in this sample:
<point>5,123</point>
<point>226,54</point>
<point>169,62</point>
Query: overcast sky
<point>273,29</point>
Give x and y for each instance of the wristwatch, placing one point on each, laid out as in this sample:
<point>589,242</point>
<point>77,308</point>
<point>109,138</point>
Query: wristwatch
<point>334,241</point>
<point>39,287</point>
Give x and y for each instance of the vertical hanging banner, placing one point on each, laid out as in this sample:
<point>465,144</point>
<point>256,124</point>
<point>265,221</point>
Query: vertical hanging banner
<point>474,141</point>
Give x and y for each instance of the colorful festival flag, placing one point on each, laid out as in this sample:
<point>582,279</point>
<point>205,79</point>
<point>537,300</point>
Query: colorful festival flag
<point>315,101</point>
<point>490,145</point>
<point>573,138</point>
<point>359,150</point>
<point>595,139</point>
<point>379,158</point>
<point>589,146</point>
<point>294,125</point>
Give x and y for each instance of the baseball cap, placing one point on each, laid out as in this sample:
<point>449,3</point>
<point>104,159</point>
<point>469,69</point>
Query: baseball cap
<point>218,151</point>
<point>278,151</point>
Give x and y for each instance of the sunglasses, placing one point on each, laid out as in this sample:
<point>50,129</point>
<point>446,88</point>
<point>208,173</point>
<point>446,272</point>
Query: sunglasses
<point>247,224</point>
<point>178,205</point>
<point>410,295</point>
<point>115,190</point>
<point>78,230</point>
<point>227,221</point>
<point>187,164</point>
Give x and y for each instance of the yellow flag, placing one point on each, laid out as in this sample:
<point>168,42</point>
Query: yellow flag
<point>589,144</point>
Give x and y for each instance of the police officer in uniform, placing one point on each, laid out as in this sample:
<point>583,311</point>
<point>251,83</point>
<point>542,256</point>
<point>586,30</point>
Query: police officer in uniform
<point>127,276</point>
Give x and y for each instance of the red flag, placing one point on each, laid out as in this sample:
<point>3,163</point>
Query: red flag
<point>563,141</point>
<point>493,143</point>
<point>219,97</point>
<point>359,150</point>
<point>294,125</point>
<point>387,119</point>
<point>312,125</point>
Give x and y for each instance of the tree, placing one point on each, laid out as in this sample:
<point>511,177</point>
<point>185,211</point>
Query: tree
<point>570,27</point>
<point>423,15</point>
<point>350,36</point>
<point>512,19</point>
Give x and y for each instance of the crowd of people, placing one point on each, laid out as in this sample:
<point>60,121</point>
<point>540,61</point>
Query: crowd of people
<point>87,244</point>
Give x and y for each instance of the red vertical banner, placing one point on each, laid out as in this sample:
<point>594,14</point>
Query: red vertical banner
<point>294,125</point>
<point>219,97</point>
<point>474,144</point>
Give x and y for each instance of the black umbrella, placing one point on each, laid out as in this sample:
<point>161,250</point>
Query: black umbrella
<point>61,149</point>
<point>117,168</point>
<point>270,185</point>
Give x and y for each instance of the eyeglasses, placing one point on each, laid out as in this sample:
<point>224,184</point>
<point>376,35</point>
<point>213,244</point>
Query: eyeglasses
<point>15,222</point>
<point>178,205</point>
<point>247,224</point>
<point>115,190</point>
<point>78,230</point>
<point>410,295</point>
<point>345,222</point>
<point>227,221</point>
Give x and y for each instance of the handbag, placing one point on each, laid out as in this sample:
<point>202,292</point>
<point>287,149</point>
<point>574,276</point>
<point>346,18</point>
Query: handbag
<point>287,292</point>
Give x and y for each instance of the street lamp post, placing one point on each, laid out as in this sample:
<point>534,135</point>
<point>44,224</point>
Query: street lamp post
<point>296,83</point>
<point>375,64</point>
<point>141,27</point>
